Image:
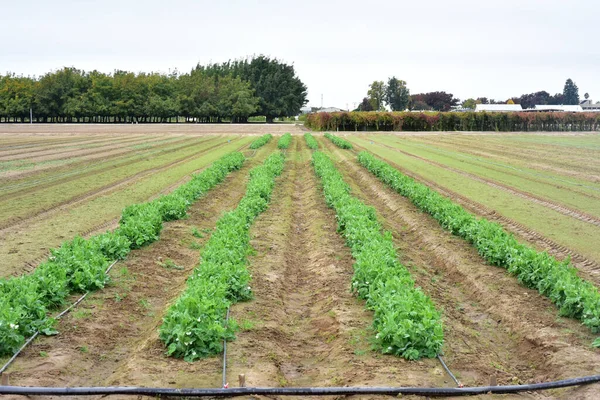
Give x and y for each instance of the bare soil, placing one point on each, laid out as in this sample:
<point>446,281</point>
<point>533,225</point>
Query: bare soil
<point>112,337</point>
<point>304,327</point>
<point>494,326</point>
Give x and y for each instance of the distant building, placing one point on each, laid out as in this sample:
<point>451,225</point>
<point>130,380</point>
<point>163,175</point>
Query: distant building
<point>330,109</point>
<point>558,108</point>
<point>588,106</point>
<point>498,107</point>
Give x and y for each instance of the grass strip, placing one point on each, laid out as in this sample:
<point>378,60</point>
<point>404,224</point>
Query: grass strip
<point>311,142</point>
<point>284,141</point>
<point>338,141</point>
<point>79,265</point>
<point>194,326</point>
<point>261,141</point>
<point>558,280</point>
<point>405,319</point>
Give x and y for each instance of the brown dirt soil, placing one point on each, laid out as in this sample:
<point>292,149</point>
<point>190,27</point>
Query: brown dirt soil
<point>304,327</point>
<point>112,338</point>
<point>493,325</point>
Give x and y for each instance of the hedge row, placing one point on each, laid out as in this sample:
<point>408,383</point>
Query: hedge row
<point>195,326</point>
<point>558,280</point>
<point>406,320</point>
<point>284,141</point>
<point>338,141</point>
<point>261,141</point>
<point>311,142</point>
<point>80,265</point>
<point>453,121</point>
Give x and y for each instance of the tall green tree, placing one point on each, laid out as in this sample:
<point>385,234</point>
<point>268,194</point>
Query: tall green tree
<point>376,95</point>
<point>469,103</point>
<point>397,94</point>
<point>280,92</point>
<point>570,93</point>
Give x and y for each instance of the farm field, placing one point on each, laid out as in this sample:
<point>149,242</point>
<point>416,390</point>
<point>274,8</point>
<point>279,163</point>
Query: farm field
<point>544,188</point>
<point>304,327</point>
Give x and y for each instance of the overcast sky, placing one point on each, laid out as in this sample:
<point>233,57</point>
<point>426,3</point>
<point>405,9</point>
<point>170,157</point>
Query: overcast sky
<point>470,48</point>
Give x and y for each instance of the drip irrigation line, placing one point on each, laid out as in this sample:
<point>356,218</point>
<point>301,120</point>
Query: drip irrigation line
<point>225,385</point>
<point>19,352</point>
<point>59,316</point>
<point>458,384</point>
<point>294,391</point>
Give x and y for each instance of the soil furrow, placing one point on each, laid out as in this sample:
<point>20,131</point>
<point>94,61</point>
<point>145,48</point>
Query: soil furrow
<point>589,269</point>
<point>304,327</point>
<point>111,338</point>
<point>509,331</point>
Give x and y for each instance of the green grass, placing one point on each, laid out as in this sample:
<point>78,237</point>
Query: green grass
<point>577,235</point>
<point>548,186</point>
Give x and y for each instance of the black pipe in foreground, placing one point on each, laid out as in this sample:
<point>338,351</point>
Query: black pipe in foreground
<point>293,391</point>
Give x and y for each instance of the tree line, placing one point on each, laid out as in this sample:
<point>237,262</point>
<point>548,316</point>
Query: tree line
<point>229,92</point>
<point>396,96</point>
<point>453,121</point>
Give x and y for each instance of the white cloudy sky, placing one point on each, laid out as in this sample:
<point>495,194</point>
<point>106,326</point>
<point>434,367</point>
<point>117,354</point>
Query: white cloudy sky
<point>470,48</point>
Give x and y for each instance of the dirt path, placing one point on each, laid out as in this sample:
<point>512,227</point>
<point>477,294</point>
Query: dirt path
<point>112,337</point>
<point>494,326</point>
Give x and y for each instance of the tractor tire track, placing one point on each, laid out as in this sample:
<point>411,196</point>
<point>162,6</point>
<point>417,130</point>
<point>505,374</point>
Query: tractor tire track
<point>567,211</point>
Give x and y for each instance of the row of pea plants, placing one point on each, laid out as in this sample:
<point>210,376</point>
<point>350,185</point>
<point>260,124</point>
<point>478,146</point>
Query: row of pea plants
<point>261,141</point>
<point>405,319</point>
<point>311,142</point>
<point>284,141</point>
<point>80,265</point>
<point>195,325</point>
<point>575,297</point>
<point>338,141</point>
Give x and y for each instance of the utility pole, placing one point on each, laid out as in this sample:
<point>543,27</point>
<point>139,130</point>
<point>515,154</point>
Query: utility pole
<point>30,115</point>
<point>321,100</point>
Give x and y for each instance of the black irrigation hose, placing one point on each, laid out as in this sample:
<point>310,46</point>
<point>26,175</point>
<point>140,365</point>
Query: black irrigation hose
<point>225,385</point>
<point>5,366</point>
<point>458,384</point>
<point>290,391</point>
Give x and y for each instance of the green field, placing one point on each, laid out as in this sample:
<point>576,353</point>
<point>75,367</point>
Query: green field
<point>547,168</point>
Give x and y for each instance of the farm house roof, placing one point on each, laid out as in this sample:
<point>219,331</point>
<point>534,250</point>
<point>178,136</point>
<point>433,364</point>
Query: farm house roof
<point>498,107</point>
